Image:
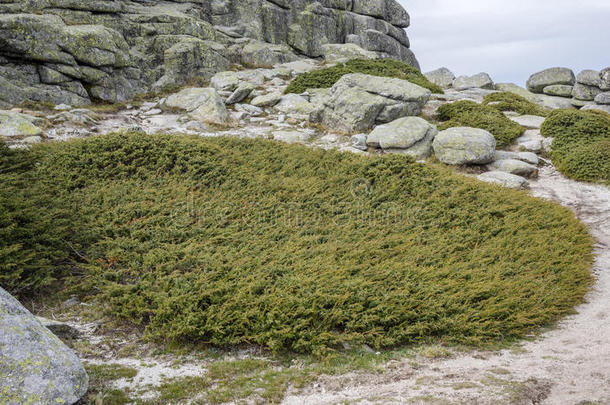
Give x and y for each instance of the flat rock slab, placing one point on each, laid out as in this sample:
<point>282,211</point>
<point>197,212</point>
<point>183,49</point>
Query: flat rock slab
<point>529,121</point>
<point>504,179</point>
<point>411,135</point>
<point>462,145</point>
<point>514,166</point>
<point>35,366</point>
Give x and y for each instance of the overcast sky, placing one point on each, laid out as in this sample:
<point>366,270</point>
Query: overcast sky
<point>509,39</point>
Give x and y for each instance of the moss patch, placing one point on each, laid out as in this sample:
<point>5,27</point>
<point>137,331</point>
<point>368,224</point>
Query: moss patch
<point>507,101</point>
<point>581,144</point>
<point>226,242</point>
<point>470,114</point>
<point>327,77</point>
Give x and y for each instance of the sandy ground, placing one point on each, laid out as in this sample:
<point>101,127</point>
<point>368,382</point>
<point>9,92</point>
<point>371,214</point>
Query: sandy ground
<point>568,365</point>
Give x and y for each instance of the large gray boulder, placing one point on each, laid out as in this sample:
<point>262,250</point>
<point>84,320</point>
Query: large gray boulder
<point>412,136</point>
<point>605,79</point>
<point>480,81</point>
<point>559,90</point>
<point>548,77</point>
<point>357,102</point>
<point>462,145</point>
<point>589,77</point>
<point>603,98</point>
<point>585,92</point>
<point>76,51</point>
<point>35,366</point>
<point>13,124</point>
<point>201,104</point>
<point>442,77</point>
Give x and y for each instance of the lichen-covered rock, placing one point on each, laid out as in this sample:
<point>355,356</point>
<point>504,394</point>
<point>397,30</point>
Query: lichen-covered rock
<point>559,90</point>
<point>589,77</point>
<point>442,77</point>
<point>75,51</point>
<point>357,102</point>
<point>242,91</point>
<point>514,166</point>
<point>14,124</point>
<point>201,104</point>
<point>267,100</point>
<point>548,77</point>
<point>529,121</point>
<point>585,92</point>
<point>462,145</point>
<point>605,79</point>
<point>480,81</point>
<point>411,135</point>
<point>603,98</point>
<point>344,52</point>
<point>35,366</point>
<point>504,179</point>
<point>294,104</point>
<point>225,81</point>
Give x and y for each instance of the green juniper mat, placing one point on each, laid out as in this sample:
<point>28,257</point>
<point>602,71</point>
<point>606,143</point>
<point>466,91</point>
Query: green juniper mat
<point>226,242</point>
<point>327,77</point>
<point>581,143</point>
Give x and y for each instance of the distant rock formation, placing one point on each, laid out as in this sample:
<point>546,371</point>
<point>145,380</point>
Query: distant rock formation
<point>75,51</point>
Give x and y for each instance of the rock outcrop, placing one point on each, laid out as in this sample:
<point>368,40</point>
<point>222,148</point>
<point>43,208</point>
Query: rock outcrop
<point>76,51</point>
<point>35,366</point>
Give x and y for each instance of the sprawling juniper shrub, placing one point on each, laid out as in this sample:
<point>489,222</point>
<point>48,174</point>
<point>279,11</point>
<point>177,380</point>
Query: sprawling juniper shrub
<point>327,77</point>
<point>228,241</point>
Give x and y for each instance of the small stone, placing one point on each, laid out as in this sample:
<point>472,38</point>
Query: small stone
<point>154,111</point>
<point>585,92</point>
<point>294,104</point>
<point>442,77</point>
<point>225,81</point>
<point>62,107</point>
<point>516,167</point>
<point>589,78</point>
<point>504,179</point>
<point>529,121</point>
<point>241,93</point>
<point>359,141</point>
<point>267,100</point>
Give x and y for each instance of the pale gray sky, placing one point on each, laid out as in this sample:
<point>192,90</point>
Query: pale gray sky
<point>509,39</point>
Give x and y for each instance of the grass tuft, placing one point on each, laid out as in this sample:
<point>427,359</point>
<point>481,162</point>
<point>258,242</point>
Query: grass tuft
<point>470,114</point>
<point>327,77</point>
<point>581,144</point>
<point>230,241</point>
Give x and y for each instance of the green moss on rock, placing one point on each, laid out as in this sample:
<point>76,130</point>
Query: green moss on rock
<point>581,143</point>
<point>327,77</point>
<point>470,114</point>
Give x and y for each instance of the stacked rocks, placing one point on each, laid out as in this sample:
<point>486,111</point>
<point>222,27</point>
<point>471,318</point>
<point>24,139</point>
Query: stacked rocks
<point>588,90</point>
<point>444,78</point>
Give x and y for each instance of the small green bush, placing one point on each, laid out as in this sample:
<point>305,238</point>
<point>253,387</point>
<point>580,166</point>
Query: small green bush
<point>231,241</point>
<point>580,144</point>
<point>327,77</point>
<point>470,114</point>
<point>507,101</point>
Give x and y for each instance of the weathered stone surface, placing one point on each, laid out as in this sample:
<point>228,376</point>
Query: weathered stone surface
<point>529,121</point>
<point>480,80</point>
<point>35,366</point>
<point>585,92</point>
<point>267,100</point>
<point>412,135</point>
<point>357,102</point>
<point>344,52</point>
<point>538,81</point>
<point>514,166</point>
<point>559,90</point>
<point>14,124</point>
<point>504,179</point>
<point>225,81</point>
<point>527,157</point>
<point>68,51</point>
<point>242,91</point>
<point>442,77</point>
<point>590,78</point>
<point>461,145</point>
<point>294,104</point>
<point>605,79</point>
<point>201,104</point>
<point>603,98</point>
<point>518,90</point>
<point>598,107</point>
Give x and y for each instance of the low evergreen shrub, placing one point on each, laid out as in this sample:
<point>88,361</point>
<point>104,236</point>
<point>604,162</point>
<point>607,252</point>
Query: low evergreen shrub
<point>327,77</point>
<point>470,114</point>
<point>506,101</point>
<point>229,241</point>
